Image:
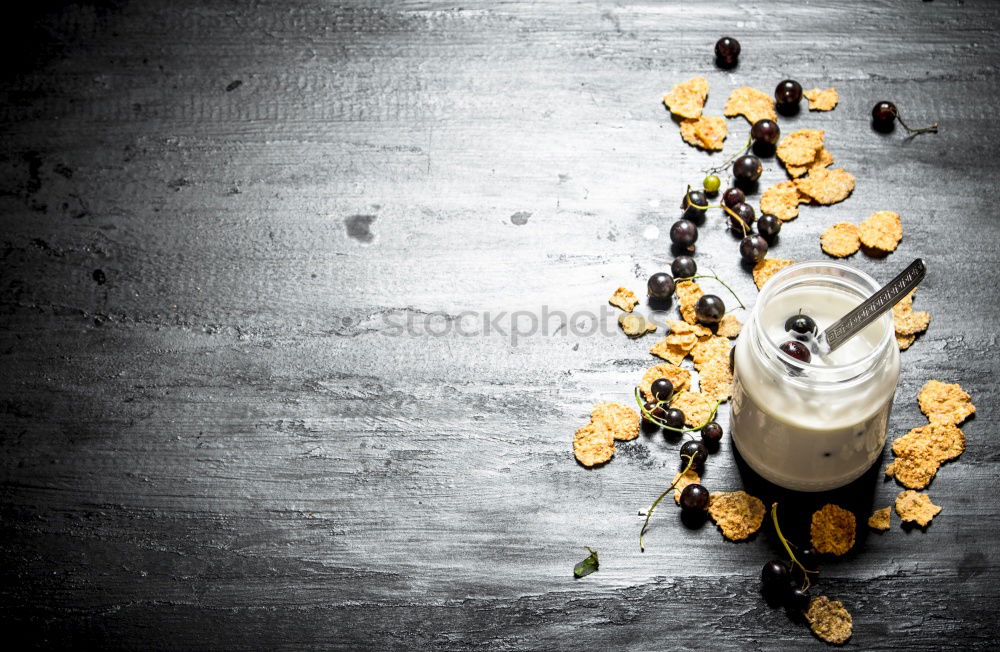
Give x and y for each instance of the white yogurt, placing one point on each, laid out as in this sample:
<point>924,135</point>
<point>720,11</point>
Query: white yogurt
<point>818,425</point>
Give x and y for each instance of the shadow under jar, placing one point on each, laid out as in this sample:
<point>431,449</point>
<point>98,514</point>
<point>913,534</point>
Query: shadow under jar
<point>818,425</point>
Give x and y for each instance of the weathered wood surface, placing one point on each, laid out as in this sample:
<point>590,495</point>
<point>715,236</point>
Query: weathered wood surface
<point>221,440</point>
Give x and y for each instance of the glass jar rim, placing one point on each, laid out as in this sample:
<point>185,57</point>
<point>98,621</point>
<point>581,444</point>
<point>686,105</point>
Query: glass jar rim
<point>850,277</point>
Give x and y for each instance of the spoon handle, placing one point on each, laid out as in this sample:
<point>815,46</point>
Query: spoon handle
<point>874,306</point>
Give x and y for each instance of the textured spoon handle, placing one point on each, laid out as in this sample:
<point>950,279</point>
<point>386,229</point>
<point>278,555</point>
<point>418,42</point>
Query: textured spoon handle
<point>872,308</point>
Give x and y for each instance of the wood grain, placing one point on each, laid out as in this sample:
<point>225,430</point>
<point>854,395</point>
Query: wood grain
<point>218,217</point>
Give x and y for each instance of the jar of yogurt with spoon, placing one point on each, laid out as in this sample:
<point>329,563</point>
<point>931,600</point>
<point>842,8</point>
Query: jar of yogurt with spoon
<point>817,420</point>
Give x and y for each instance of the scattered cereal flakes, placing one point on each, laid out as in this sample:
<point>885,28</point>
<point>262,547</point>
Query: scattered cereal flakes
<point>840,240</point>
<point>679,377</point>
<point>715,380</point>
<point>713,348</point>
<point>737,513</point>
<point>687,99</point>
<point>890,470</point>
<point>682,480</point>
<point>832,529</point>
<point>673,348</point>
<point>688,293</point>
<point>704,132</point>
<point>914,471</point>
<point>767,268</point>
<point>945,403</point>
<point>622,421</point>
<point>678,327</point>
<point>823,159</point>
<point>827,187</point>
<point>943,441</point>
<point>905,341</point>
<point>697,408</point>
<point>906,320</point>
<point>800,147</point>
<point>820,100</point>
<point>751,104</point>
<point>882,230</point>
<point>624,298</point>
<point>730,326</point>
<point>829,620</point>
<point>593,444</point>
<point>879,520</point>
<point>916,507</point>
<point>635,325</point>
<point>782,201</point>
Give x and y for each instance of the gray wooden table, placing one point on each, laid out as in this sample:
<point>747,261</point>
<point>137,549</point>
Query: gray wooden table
<point>248,398</point>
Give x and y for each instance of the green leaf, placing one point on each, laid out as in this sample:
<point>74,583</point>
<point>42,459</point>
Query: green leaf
<point>588,565</point>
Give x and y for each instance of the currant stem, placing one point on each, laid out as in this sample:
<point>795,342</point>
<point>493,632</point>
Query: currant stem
<point>649,512</point>
<point>649,417</point>
<point>740,152</point>
<point>922,130</point>
<point>743,225</point>
<point>721,282</point>
<point>791,555</point>
<point>687,199</point>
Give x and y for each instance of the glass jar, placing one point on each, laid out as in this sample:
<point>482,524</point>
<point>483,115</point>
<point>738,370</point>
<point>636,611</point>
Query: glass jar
<point>820,425</point>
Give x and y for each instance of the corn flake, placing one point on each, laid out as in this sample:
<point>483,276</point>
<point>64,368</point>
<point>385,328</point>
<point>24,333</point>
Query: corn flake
<point>827,186</point>
<point>688,293</point>
<point>840,240</point>
<point>823,159</point>
<point>624,298</point>
<point>751,104</point>
<point>882,230</point>
<point>904,341</point>
<point>710,349</point>
<point>704,132</point>
<point>687,99</point>
<point>829,620</point>
<point>715,380</point>
<point>737,513</point>
<point>944,441</point>
<point>767,268</point>
<point>832,529</point>
<point>820,100</point>
<point>679,377</point>
<point>682,480</point>
<point>697,408</point>
<point>622,421</point>
<point>800,147</point>
<point>880,519</point>
<point>916,507</point>
<point>593,444</point>
<point>730,326</point>
<point>906,320</point>
<point>782,200</point>
<point>945,403</point>
<point>635,325</point>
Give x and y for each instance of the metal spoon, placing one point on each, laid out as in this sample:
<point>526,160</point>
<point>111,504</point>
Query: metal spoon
<point>871,308</point>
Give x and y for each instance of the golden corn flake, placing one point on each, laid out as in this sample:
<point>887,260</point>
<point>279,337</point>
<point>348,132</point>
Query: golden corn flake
<point>820,100</point>
<point>832,530</point>
<point>840,240</point>
<point>945,403</point>
<point>635,325</point>
<point>697,408</point>
<point>879,520</point>
<point>800,147</point>
<point>715,380</point>
<point>890,470</point>
<point>751,104</point>
<point>904,341</point>
<point>914,471</point>
<point>623,298</point>
<point>593,444</point>
<point>704,132</point>
<point>829,620</point>
<point>823,159</point>
<point>906,320</point>
<point>682,480</point>
<point>882,230</point>
<point>679,377</point>
<point>713,348</point>
<point>916,507</point>
<point>687,99</point>
<point>943,441</point>
<point>688,293</point>
<point>622,421</point>
<point>678,327</point>
<point>673,348</point>
<point>767,268</point>
<point>730,326</point>
<point>737,513</point>
<point>827,187</point>
<point>782,201</point>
